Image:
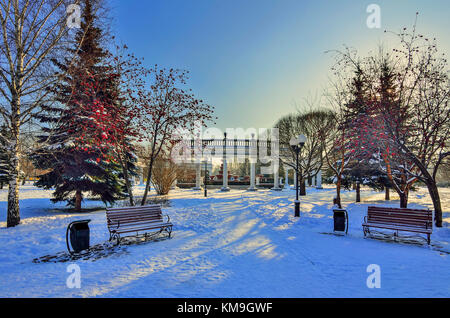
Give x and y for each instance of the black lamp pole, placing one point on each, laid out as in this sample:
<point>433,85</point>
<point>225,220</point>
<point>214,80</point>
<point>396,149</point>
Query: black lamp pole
<point>297,201</point>
<point>206,178</point>
<point>297,144</point>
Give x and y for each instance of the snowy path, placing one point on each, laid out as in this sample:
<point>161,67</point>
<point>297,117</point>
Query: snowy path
<point>235,244</point>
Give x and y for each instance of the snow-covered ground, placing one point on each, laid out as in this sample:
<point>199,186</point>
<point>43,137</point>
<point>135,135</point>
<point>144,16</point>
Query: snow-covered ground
<point>235,244</point>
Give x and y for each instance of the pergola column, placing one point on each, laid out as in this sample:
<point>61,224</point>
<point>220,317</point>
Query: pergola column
<point>276,177</point>
<point>295,180</point>
<point>252,176</point>
<point>319,180</point>
<point>198,176</point>
<point>174,184</point>
<point>314,179</point>
<point>224,166</point>
<point>225,175</point>
<point>286,177</point>
<point>141,177</point>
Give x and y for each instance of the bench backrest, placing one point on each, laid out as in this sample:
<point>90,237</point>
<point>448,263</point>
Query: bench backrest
<point>406,217</point>
<point>126,216</point>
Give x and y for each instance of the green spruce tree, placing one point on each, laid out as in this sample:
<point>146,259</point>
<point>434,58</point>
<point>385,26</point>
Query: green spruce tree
<point>73,142</point>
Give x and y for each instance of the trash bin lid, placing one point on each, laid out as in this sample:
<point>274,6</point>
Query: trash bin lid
<point>79,225</point>
<point>81,221</point>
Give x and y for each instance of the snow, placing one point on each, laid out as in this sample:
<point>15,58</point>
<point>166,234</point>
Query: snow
<point>231,244</point>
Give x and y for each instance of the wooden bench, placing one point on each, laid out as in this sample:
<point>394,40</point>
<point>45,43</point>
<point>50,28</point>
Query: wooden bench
<point>409,220</point>
<point>137,219</point>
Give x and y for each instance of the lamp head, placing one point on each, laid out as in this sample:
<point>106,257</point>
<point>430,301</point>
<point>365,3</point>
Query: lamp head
<point>301,139</point>
<point>293,142</point>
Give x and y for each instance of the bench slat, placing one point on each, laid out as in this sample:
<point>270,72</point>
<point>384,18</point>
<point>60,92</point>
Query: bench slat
<point>121,213</point>
<point>140,220</point>
<point>420,217</point>
<point>399,220</point>
<point>132,217</point>
<point>398,227</point>
<point>129,230</point>
<point>137,223</point>
<point>394,214</point>
<point>134,207</point>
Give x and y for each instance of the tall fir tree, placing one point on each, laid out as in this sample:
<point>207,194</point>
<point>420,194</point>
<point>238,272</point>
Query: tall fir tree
<point>364,168</point>
<point>74,140</point>
<point>395,164</point>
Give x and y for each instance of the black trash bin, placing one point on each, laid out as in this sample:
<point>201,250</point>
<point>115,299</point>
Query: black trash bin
<point>340,217</point>
<point>79,236</point>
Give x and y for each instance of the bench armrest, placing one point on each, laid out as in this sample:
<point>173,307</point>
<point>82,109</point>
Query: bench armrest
<point>168,217</point>
<point>365,219</point>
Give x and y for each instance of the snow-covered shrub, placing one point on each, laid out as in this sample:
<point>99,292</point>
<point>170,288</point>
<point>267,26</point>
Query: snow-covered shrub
<point>164,175</point>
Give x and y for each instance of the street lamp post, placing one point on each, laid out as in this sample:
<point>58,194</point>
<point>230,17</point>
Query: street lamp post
<point>206,178</point>
<point>297,145</point>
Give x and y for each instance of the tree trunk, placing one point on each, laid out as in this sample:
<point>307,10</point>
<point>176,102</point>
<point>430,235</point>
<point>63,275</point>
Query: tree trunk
<point>130,190</point>
<point>338,193</point>
<point>302,187</point>
<point>386,194</point>
<point>358,192</point>
<point>432,189</point>
<point>147,184</point>
<point>403,200</point>
<point>434,194</point>
<point>124,164</point>
<point>13,217</point>
<point>78,198</point>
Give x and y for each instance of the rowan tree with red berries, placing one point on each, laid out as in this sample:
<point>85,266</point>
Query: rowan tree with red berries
<point>424,91</point>
<point>125,129</point>
<point>370,139</point>
<point>406,126</point>
<point>168,104</point>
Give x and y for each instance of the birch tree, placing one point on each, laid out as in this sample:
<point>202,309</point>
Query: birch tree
<point>31,33</point>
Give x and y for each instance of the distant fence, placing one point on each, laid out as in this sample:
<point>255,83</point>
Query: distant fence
<point>187,185</point>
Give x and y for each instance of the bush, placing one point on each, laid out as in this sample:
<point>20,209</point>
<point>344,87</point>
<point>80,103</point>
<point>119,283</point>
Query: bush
<point>164,174</point>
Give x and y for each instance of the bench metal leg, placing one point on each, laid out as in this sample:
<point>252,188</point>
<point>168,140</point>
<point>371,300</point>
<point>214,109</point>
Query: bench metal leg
<point>114,236</point>
<point>168,230</point>
<point>429,240</point>
<point>366,230</point>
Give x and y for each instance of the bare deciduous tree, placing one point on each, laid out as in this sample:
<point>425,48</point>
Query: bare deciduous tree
<point>310,123</point>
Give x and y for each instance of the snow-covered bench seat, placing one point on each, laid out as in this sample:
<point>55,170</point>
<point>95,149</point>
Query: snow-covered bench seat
<point>409,220</point>
<point>137,219</point>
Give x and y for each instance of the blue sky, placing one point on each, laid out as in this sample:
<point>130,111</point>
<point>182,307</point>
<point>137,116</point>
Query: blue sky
<point>254,60</point>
